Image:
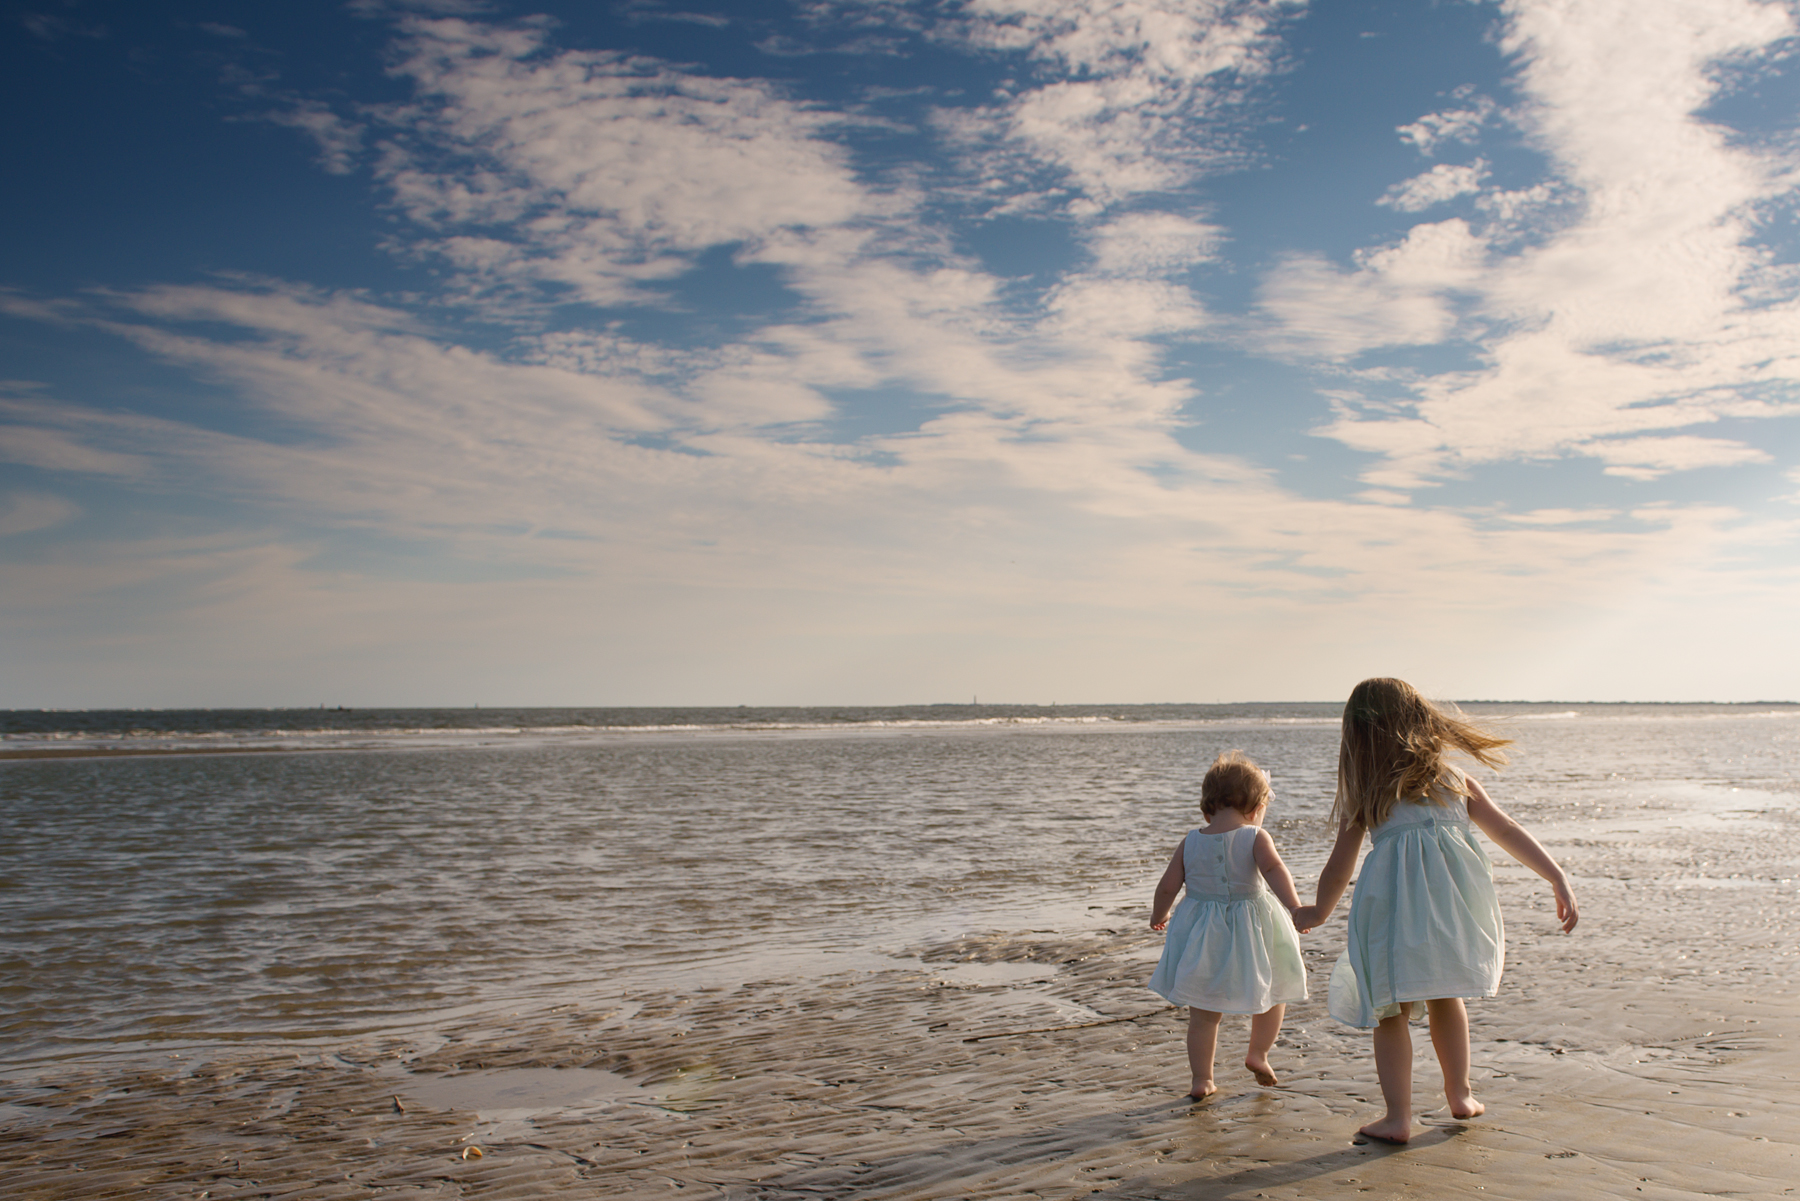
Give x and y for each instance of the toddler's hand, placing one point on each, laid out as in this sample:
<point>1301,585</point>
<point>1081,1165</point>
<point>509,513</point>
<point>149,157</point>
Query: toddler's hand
<point>1305,918</point>
<point>1159,927</point>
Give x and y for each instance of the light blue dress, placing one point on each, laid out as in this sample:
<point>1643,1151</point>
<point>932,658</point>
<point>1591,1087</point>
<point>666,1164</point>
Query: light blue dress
<point>1230,945</point>
<point>1424,920</point>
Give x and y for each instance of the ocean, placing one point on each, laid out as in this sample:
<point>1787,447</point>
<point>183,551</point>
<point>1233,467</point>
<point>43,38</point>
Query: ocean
<point>340,873</point>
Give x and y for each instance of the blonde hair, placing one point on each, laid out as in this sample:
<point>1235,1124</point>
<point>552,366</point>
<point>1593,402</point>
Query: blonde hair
<point>1234,782</point>
<point>1393,749</point>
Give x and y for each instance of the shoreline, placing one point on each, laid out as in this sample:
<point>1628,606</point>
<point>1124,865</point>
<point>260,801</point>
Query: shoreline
<point>130,739</point>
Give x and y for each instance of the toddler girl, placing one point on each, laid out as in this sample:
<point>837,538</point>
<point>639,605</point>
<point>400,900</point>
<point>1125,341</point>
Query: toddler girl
<point>1424,922</point>
<point>1231,947</point>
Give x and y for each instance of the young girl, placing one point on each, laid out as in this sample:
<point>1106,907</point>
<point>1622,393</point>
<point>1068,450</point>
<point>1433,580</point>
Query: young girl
<point>1231,947</point>
<point>1424,923</point>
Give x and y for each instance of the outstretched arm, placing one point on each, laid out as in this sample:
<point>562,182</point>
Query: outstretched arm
<point>1334,879</point>
<point>1281,881</point>
<point>1517,841</point>
<point>1167,889</point>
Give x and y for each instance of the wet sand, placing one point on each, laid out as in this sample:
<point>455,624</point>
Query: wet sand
<point>1653,1054</point>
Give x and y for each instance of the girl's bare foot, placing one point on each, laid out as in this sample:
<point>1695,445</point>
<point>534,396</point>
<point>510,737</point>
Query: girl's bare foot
<point>1265,1075</point>
<point>1387,1131</point>
<point>1202,1090</point>
<point>1466,1106</point>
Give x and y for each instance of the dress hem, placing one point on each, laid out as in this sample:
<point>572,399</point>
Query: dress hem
<point>1231,1012</point>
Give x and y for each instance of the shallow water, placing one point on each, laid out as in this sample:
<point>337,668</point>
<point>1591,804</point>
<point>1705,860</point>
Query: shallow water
<point>193,899</point>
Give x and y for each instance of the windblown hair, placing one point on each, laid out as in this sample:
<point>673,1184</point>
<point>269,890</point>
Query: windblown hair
<point>1234,782</point>
<point>1393,749</point>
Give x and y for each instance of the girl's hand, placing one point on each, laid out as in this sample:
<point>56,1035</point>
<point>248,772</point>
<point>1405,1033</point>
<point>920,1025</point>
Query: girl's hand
<point>1159,927</point>
<point>1566,911</point>
<point>1305,918</point>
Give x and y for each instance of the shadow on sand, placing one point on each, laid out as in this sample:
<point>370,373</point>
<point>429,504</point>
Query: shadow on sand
<point>950,1168</point>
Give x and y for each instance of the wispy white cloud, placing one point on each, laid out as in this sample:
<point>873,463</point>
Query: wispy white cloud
<point>51,27</point>
<point>596,171</point>
<point>1397,295</point>
<point>1647,458</point>
<point>1559,516</point>
<point>339,141</point>
<point>1443,182</point>
<point>439,8</point>
<point>31,437</point>
<point>642,11</point>
<point>1462,125</point>
<point>1134,95</point>
<point>1152,244</point>
<point>25,512</point>
<point>1117,312</point>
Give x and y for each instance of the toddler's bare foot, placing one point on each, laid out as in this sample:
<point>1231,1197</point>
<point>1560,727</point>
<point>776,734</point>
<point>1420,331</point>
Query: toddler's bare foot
<point>1386,1131</point>
<point>1202,1090</point>
<point>1265,1075</point>
<point>1466,1106</point>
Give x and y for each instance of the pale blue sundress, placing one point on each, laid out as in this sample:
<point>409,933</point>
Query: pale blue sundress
<point>1230,946</point>
<point>1424,920</point>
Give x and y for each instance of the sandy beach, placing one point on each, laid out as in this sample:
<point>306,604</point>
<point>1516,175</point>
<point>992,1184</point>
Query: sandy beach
<point>1654,1053</point>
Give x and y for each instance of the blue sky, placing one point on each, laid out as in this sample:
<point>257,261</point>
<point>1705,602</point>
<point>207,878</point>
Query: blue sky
<point>863,351</point>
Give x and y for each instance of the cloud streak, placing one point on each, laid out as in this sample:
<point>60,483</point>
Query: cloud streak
<point>597,172</point>
<point>1138,94</point>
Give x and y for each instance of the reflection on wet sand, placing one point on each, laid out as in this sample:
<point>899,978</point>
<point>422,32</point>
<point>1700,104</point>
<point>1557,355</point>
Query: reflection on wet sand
<point>1606,1073</point>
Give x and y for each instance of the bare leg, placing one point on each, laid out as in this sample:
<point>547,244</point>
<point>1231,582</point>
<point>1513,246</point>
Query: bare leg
<point>1202,1045</point>
<point>1265,1028</point>
<point>1393,1066</point>
<point>1450,1037</point>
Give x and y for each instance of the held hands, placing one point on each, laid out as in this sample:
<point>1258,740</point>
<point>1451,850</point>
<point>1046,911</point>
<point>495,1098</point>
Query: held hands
<point>1305,918</point>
